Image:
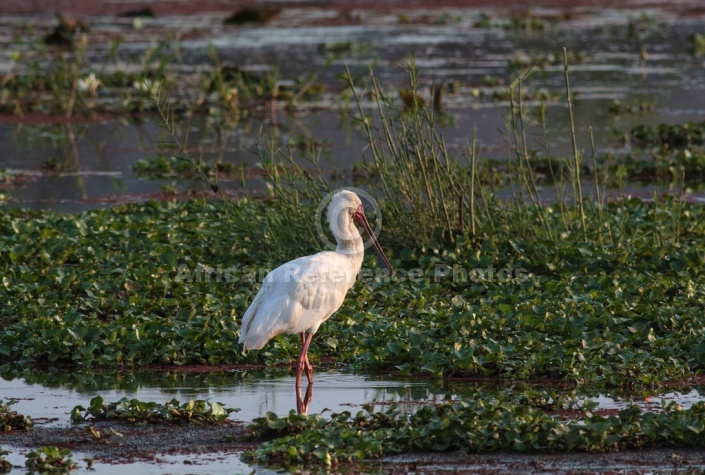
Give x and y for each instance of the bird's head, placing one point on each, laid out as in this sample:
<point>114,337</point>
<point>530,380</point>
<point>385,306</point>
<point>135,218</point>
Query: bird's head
<point>347,201</point>
<point>344,205</point>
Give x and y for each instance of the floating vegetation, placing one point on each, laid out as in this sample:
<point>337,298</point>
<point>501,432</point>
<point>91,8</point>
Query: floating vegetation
<point>13,179</point>
<point>671,136</point>
<point>505,95</point>
<point>165,167</point>
<point>50,459</point>
<point>471,425</point>
<point>619,107</point>
<point>446,18</point>
<point>642,26</point>
<point>698,44</point>
<point>5,466</point>
<point>665,153</point>
<point>498,303</point>
<point>10,420</point>
<point>43,81</point>
<point>347,48</point>
<point>136,411</point>
<point>521,61</point>
<point>666,167</point>
<point>526,23</point>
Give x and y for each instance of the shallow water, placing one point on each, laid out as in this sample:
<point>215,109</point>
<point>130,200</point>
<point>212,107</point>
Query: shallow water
<point>254,394</point>
<point>49,396</point>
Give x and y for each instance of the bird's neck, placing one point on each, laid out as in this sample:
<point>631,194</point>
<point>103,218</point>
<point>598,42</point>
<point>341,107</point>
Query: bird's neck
<point>350,242</point>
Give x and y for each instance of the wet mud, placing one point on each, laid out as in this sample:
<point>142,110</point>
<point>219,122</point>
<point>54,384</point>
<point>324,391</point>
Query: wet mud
<point>180,7</point>
<point>123,443</point>
<point>633,462</point>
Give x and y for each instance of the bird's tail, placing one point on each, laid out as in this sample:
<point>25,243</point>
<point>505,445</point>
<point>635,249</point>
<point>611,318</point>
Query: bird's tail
<point>253,341</point>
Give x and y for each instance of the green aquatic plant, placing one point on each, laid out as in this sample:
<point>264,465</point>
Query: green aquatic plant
<point>526,23</point>
<point>622,107</point>
<point>10,420</point>
<point>5,466</point>
<point>136,411</point>
<point>663,153</point>
<point>590,292</point>
<point>671,136</point>
<point>471,425</point>
<point>116,290</point>
<point>162,167</point>
<point>50,459</point>
<point>666,166</point>
<point>65,81</point>
<point>698,44</point>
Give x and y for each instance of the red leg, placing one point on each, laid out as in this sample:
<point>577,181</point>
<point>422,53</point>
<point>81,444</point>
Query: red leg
<point>309,371</point>
<point>307,364</point>
<point>302,362</point>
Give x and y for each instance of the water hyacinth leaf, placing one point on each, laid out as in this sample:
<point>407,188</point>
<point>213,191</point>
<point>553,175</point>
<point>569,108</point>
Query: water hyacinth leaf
<point>453,339</point>
<point>11,420</point>
<point>473,426</point>
<point>136,411</point>
<point>50,459</point>
<point>697,426</point>
<point>217,409</point>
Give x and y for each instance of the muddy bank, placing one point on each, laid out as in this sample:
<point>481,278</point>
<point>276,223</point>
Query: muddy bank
<point>122,443</point>
<point>181,7</point>
<point>633,462</point>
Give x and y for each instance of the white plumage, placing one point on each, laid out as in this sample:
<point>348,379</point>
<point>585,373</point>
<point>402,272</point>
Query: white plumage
<point>299,296</point>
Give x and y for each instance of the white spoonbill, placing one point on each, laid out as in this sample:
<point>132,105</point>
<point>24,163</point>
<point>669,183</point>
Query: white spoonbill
<point>298,296</point>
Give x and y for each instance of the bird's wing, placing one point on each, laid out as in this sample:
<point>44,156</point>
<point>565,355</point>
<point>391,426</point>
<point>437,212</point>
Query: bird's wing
<point>295,297</point>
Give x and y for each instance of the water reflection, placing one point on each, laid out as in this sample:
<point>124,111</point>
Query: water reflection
<point>52,392</point>
<point>303,403</point>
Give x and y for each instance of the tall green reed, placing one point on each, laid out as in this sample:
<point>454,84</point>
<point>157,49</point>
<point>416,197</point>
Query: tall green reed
<point>426,189</point>
<point>421,185</point>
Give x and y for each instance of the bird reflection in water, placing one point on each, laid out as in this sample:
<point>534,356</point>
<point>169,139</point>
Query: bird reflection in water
<point>303,403</point>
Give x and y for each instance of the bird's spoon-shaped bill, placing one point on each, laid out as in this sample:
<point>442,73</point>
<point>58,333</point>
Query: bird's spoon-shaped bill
<point>361,220</point>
